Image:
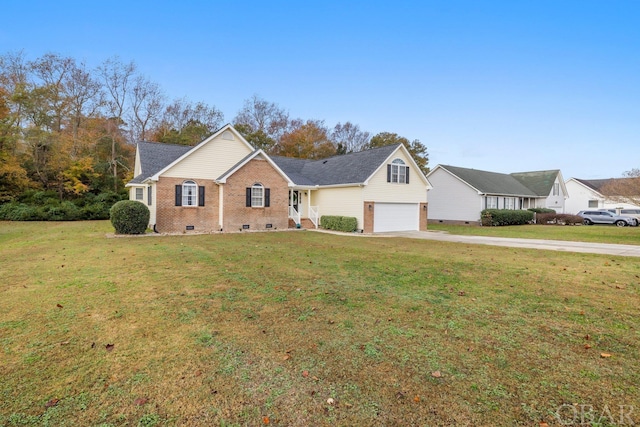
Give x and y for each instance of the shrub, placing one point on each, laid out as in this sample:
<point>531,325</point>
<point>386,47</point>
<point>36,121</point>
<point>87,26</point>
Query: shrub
<point>21,212</point>
<point>542,210</point>
<point>129,217</point>
<point>555,218</point>
<point>496,217</point>
<point>339,223</point>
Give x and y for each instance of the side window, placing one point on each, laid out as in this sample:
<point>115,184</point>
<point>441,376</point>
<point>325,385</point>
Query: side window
<point>149,196</point>
<point>258,196</point>
<point>139,193</point>
<point>593,203</point>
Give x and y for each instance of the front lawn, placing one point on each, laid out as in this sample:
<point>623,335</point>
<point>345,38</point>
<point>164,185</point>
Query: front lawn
<point>301,328</point>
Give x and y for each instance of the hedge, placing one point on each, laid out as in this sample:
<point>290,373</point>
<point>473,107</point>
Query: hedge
<point>339,223</point>
<point>496,217</point>
<point>560,219</point>
<point>130,217</point>
<point>47,206</point>
<point>542,210</point>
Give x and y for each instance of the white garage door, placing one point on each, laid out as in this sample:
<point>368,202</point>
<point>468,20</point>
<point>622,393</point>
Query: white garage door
<point>396,217</point>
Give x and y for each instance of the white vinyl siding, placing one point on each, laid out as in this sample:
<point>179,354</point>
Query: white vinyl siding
<point>379,190</point>
<point>211,160</point>
<point>453,200</point>
<point>346,201</point>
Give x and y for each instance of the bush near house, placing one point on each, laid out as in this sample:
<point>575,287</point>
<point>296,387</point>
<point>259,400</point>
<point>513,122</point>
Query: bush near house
<point>496,217</point>
<point>541,210</point>
<point>130,217</point>
<point>556,218</point>
<point>339,223</point>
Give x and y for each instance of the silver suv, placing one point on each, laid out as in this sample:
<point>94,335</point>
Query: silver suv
<point>606,217</point>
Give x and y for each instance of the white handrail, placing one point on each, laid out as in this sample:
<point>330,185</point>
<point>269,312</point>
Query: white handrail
<point>293,214</point>
<point>313,215</point>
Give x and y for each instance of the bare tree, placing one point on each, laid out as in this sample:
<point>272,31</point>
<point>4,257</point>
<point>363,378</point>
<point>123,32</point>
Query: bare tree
<point>349,138</point>
<point>147,103</point>
<point>85,97</point>
<point>186,123</point>
<point>117,80</point>
<point>53,71</point>
<point>257,114</point>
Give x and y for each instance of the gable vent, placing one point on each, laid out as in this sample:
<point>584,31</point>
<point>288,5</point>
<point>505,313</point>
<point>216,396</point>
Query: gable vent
<point>227,135</point>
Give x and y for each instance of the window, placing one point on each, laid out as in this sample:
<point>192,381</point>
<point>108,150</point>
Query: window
<point>258,196</point>
<point>398,172</point>
<point>509,203</point>
<point>556,189</point>
<point>149,196</point>
<point>492,202</point>
<point>139,193</point>
<point>593,203</point>
<point>189,193</point>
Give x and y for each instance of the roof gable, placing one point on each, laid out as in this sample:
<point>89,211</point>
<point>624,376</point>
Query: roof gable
<point>155,156</point>
<point>256,154</point>
<point>541,182</point>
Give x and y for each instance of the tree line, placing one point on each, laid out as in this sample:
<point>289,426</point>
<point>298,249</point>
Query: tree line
<point>68,131</point>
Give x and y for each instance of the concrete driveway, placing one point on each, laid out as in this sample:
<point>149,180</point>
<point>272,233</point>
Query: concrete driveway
<point>550,245</point>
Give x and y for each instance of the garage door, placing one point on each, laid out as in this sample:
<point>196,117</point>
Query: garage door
<point>396,217</point>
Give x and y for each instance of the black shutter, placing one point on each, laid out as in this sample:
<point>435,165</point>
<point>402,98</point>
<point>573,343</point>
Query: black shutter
<point>407,174</point>
<point>388,173</point>
<point>178,195</point>
<point>201,195</point>
<point>267,197</point>
<point>248,197</point>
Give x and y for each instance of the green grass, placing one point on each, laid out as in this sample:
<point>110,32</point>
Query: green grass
<point>579,233</point>
<point>245,329</point>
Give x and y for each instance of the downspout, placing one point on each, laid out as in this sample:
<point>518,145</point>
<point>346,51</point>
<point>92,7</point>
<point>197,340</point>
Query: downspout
<point>220,206</point>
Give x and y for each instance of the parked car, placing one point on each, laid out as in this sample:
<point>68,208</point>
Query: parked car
<point>606,217</point>
<point>628,212</point>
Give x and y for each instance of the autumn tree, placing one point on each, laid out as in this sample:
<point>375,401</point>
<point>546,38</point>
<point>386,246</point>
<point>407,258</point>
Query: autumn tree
<point>417,150</point>
<point>625,189</point>
<point>306,140</point>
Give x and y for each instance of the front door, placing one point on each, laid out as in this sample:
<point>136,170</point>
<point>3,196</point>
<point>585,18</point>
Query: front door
<point>294,200</point>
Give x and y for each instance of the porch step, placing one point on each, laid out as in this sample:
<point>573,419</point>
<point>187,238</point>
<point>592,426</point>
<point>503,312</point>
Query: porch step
<point>304,223</point>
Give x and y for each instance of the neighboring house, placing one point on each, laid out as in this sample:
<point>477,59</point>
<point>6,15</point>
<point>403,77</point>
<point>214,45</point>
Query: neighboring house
<point>223,184</point>
<point>460,194</point>
<point>585,194</point>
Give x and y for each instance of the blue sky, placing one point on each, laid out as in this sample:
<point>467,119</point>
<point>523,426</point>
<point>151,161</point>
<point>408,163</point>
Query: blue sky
<point>505,86</point>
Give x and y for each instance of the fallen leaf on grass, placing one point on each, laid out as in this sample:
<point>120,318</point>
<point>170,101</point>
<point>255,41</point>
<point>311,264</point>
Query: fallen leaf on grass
<point>64,343</point>
<point>59,305</point>
<point>416,399</point>
<point>587,346</point>
<point>436,374</point>
<point>51,402</point>
<point>305,374</point>
<point>109,347</point>
<point>605,355</point>
<point>461,293</point>
<point>265,420</point>
<point>543,424</point>
<point>140,401</point>
<point>286,357</point>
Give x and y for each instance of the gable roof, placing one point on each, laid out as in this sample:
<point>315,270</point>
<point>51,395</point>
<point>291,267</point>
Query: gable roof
<point>541,182</point>
<point>155,156</point>
<point>594,184</point>
<point>344,169</point>
<point>257,153</point>
<point>490,182</point>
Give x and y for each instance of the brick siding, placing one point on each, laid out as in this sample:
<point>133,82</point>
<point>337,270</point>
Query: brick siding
<point>175,219</point>
<point>237,214</point>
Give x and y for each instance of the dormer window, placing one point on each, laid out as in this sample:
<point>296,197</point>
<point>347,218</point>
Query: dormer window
<point>398,172</point>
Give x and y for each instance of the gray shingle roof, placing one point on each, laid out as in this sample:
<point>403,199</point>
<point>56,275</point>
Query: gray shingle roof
<point>491,182</point>
<point>154,156</point>
<point>594,184</point>
<point>352,168</point>
<point>541,182</point>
